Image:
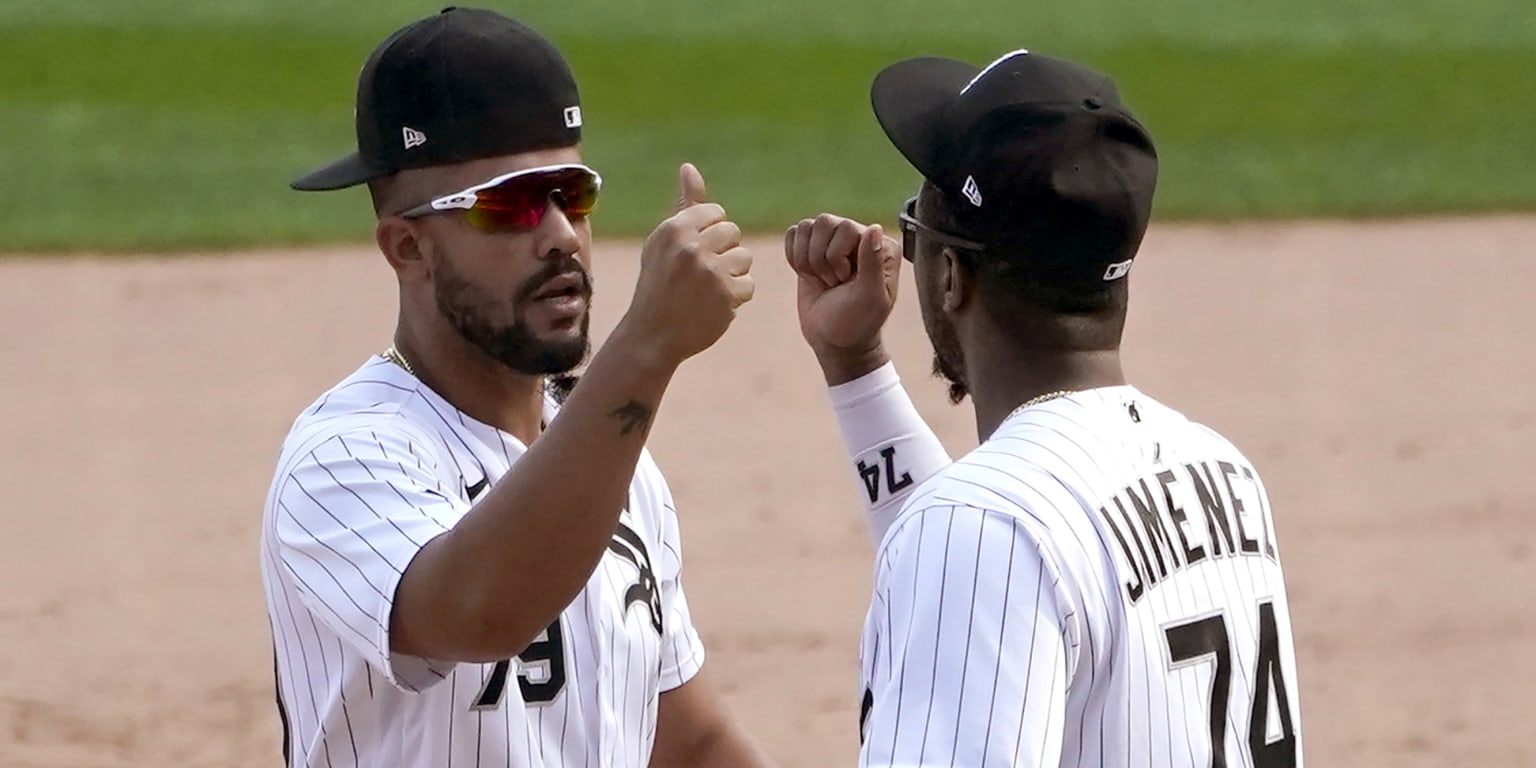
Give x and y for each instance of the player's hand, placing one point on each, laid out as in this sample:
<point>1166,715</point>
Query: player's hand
<point>847,274</point>
<point>694,273</point>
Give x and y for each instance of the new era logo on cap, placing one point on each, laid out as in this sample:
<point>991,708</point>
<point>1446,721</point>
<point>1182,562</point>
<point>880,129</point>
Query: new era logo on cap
<point>1068,172</point>
<point>573,117</point>
<point>413,137</point>
<point>971,191</point>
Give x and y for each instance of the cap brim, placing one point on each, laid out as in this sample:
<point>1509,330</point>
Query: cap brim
<point>910,99</point>
<point>346,172</point>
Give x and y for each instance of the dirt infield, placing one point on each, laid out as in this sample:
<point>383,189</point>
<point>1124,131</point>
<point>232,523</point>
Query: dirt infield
<point>1379,374</point>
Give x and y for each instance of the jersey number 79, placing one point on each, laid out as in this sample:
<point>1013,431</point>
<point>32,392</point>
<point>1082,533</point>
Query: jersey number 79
<point>545,656</point>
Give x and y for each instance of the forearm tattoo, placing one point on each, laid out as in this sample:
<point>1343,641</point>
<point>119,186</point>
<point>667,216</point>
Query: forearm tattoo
<point>632,416</point>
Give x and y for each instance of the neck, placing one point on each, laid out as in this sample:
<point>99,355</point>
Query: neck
<point>484,389</point>
<point>1003,381</point>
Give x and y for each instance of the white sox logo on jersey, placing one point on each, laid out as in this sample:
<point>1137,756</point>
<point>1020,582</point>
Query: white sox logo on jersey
<point>628,545</point>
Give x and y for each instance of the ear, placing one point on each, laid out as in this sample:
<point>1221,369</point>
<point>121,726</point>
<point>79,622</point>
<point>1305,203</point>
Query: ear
<point>957,283</point>
<point>401,243</point>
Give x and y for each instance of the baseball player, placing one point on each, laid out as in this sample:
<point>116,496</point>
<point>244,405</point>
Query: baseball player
<point>463,565</point>
<point>1098,583</point>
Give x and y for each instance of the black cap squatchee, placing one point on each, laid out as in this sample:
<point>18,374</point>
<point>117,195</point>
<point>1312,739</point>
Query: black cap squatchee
<point>1039,159</point>
<point>460,85</point>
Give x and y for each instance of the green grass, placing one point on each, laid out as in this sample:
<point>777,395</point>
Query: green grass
<point>163,124</point>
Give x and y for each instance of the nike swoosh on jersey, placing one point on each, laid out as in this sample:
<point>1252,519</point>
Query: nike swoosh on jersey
<point>473,492</point>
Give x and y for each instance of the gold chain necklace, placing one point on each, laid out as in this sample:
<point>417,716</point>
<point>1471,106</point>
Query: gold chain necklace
<point>1038,400</point>
<point>393,355</point>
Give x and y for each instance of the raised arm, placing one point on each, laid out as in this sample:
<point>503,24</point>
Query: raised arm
<point>485,589</point>
<point>847,277</point>
<point>377,543</point>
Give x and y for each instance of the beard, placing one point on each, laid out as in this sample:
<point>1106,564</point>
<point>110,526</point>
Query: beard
<point>514,345</point>
<point>948,358</point>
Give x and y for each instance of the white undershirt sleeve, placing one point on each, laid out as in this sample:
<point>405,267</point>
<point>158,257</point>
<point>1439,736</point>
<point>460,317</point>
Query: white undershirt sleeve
<point>892,449</point>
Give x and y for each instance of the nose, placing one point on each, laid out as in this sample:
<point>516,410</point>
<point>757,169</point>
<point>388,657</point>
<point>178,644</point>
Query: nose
<point>558,235</point>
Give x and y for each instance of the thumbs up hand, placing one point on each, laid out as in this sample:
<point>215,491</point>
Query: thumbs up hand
<point>694,273</point>
<point>690,187</point>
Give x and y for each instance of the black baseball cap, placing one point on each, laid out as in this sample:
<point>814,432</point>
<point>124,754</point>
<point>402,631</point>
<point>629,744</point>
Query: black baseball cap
<point>1036,156</point>
<point>463,84</point>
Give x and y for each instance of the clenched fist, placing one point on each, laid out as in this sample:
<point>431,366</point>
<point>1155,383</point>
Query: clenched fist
<point>847,278</point>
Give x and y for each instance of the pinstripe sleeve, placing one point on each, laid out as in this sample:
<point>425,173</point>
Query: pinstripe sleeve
<point>682,652</point>
<point>971,659</point>
<point>352,510</point>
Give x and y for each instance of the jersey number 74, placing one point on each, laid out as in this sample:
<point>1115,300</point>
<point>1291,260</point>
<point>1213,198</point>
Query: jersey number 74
<point>1206,639</point>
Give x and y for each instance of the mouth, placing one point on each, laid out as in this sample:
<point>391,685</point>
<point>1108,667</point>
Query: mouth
<point>564,297</point>
<point>570,285</point>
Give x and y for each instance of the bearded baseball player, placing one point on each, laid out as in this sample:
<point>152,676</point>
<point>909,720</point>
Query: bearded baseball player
<point>463,567</point>
<point>1098,583</point>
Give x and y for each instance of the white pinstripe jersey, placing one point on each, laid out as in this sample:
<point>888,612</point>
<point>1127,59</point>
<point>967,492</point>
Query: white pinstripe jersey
<point>372,471</point>
<point>1096,584</point>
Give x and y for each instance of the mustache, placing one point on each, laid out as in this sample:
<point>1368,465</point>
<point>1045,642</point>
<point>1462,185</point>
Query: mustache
<point>552,270</point>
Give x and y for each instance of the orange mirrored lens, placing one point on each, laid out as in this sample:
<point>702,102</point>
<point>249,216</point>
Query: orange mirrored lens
<point>519,203</point>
